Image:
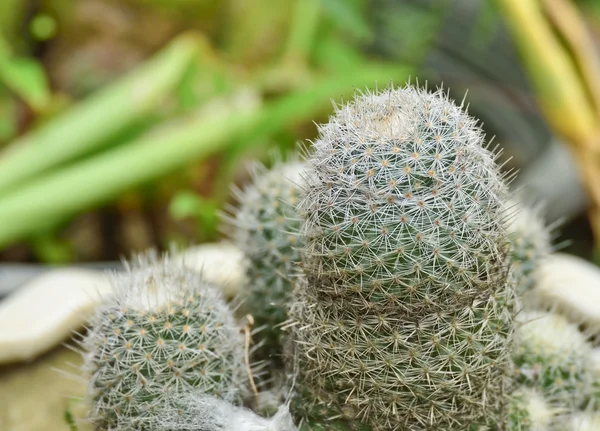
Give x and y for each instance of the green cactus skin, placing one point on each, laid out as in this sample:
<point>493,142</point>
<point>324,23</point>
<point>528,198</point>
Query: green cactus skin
<point>530,244</point>
<point>405,318</point>
<point>265,228</point>
<point>550,354</point>
<point>165,331</point>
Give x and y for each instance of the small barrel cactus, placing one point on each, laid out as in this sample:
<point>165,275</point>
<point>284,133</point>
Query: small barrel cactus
<point>552,355</point>
<point>165,331</point>
<point>265,228</point>
<point>405,318</point>
<point>530,244</point>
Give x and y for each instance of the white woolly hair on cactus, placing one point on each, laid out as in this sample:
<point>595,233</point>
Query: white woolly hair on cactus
<point>580,422</point>
<point>164,331</point>
<point>196,411</point>
<point>571,286</point>
<point>552,355</point>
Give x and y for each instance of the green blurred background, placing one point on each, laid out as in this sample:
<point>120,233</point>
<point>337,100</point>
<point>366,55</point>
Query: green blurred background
<point>123,123</point>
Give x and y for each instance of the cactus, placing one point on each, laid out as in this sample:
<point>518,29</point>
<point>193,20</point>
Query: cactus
<point>196,411</point>
<point>551,354</point>
<point>265,229</point>
<point>165,331</point>
<point>530,244</point>
<point>405,318</point>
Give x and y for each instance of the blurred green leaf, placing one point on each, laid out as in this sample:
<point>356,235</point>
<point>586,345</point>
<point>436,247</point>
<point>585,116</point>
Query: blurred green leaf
<point>406,31</point>
<point>334,55</point>
<point>11,13</point>
<point>348,15</point>
<point>8,117</point>
<point>188,204</point>
<point>90,124</point>
<point>51,249</point>
<point>486,26</point>
<point>43,27</point>
<point>27,78</point>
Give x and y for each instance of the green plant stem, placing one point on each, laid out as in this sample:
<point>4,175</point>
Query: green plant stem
<point>302,32</point>
<point>90,124</point>
<point>59,195</point>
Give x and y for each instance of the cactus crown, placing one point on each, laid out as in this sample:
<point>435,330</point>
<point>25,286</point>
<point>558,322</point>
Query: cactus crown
<point>404,199</point>
<point>405,317</point>
<point>164,332</point>
<point>265,228</point>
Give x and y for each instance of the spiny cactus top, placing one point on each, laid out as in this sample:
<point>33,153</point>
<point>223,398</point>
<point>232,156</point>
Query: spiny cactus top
<point>266,229</point>
<point>405,318</point>
<point>406,204</point>
<point>165,331</point>
<point>552,355</point>
<point>530,244</point>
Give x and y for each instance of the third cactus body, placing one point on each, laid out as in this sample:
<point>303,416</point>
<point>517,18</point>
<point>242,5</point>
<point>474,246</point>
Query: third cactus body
<point>405,315</point>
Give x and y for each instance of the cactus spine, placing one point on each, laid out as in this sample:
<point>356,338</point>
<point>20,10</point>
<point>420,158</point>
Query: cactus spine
<point>405,317</point>
<point>165,331</point>
<point>265,229</point>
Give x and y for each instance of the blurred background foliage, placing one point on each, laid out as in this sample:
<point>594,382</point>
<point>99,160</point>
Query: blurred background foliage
<point>123,123</point>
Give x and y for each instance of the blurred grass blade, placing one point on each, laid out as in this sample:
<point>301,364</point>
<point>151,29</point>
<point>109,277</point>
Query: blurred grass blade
<point>27,79</point>
<point>567,100</point>
<point>60,195</point>
<point>302,33</point>
<point>89,124</point>
<point>554,77</point>
<point>568,20</point>
<point>349,16</point>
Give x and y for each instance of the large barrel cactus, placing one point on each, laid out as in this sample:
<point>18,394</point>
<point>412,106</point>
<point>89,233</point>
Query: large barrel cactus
<point>404,318</point>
